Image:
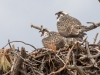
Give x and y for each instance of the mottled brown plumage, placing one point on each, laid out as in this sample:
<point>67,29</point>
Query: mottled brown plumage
<point>69,26</point>
<point>52,39</point>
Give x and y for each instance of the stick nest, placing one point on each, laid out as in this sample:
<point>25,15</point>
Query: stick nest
<point>76,59</point>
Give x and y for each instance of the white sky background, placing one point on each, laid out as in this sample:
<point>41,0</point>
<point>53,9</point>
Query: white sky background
<point>16,17</point>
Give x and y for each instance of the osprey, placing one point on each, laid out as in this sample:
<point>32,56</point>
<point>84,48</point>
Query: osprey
<point>52,39</point>
<point>69,26</point>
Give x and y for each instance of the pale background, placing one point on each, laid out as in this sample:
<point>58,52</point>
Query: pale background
<point>16,17</point>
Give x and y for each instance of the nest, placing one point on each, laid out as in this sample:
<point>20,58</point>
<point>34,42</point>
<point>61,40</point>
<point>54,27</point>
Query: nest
<point>76,59</point>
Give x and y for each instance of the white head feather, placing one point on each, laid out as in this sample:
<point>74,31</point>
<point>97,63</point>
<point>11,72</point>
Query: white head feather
<point>61,15</point>
<point>46,34</point>
<point>65,13</point>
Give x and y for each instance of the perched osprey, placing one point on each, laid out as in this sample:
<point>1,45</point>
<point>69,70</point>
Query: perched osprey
<point>52,39</point>
<point>69,26</point>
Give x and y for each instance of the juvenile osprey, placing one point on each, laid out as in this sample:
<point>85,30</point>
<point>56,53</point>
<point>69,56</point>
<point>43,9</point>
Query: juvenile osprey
<point>69,26</point>
<point>52,39</point>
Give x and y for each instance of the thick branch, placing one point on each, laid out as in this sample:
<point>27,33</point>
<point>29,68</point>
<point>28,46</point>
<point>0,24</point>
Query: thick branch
<point>91,27</point>
<point>36,27</point>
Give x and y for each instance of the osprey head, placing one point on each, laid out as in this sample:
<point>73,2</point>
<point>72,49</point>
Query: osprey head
<point>45,33</point>
<point>60,13</point>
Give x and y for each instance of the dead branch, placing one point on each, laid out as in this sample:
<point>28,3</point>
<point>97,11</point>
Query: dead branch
<point>9,43</point>
<point>36,27</point>
<point>95,38</point>
<point>17,65</point>
<point>21,42</point>
<point>91,27</point>
<point>68,57</point>
<point>89,54</point>
<point>7,73</point>
<point>79,69</point>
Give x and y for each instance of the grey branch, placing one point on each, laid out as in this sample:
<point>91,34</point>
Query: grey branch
<point>95,38</point>
<point>89,54</point>
<point>19,41</point>
<point>36,27</point>
<point>18,64</point>
<point>91,27</point>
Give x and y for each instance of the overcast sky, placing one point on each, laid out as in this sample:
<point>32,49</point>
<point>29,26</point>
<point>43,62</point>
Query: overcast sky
<point>16,17</point>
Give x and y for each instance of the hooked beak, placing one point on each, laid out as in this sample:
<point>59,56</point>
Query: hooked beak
<point>41,32</point>
<point>57,15</point>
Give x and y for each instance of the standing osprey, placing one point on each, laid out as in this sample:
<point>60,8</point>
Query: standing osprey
<point>69,26</point>
<point>52,39</point>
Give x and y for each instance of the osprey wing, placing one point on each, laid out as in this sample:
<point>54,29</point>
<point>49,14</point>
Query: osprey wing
<point>55,39</point>
<point>68,26</point>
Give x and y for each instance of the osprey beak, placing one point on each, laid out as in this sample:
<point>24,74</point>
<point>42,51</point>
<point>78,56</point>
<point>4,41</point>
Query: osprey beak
<point>56,13</point>
<point>42,34</point>
<point>40,31</point>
